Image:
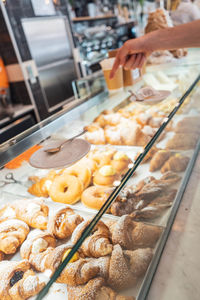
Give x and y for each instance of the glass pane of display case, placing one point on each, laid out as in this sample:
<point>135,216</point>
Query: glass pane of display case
<point>141,156</point>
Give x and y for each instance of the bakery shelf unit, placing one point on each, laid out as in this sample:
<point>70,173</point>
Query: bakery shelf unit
<point>129,187</point>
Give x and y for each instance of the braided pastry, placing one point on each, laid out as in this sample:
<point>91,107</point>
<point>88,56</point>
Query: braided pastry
<point>33,212</point>
<point>98,243</point>
<point>12,234</point>
<point>18,281</point>
<point>63,223</point>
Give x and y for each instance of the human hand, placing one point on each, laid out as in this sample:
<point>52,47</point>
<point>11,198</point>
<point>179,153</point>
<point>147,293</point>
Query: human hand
<point>131,55</point>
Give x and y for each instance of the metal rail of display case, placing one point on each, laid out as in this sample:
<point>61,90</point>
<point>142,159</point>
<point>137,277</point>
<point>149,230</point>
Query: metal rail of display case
<point>145,286</point>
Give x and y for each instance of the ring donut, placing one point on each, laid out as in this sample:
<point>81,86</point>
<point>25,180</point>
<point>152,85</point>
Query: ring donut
<point>95,196</point>
<point>81,171</point>
<point>66,189</point>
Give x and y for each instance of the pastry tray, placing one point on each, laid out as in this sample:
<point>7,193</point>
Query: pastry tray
<point>58,291</point>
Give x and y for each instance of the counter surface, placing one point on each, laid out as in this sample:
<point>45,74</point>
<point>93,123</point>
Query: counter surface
<point>178,273</point>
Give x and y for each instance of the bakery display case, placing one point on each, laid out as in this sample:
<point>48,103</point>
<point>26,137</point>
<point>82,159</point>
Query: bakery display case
<point>96,229</point>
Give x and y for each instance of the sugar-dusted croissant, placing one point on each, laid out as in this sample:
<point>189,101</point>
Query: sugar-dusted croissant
<point>98,243</point>
<point>149,212</point>
<point>159,159</point>
<point>41,186</point>
<point>176,163</point>
<point>18,281</point>
<point>188,125</point>
<point>12,234</point>
<point>133,235</point>
<point>63,223</point>
<point>33,212</point>
<point>94,289</point>
<point>126,267</point>
<point>34,246</point>
<point>79,272</point>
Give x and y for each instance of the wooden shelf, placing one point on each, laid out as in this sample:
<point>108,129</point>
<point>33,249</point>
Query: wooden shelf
<point>81,19</point>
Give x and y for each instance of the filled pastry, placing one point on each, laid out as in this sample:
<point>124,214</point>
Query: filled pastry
<point>120,162</point>
<point>95,289</point>
<point>18,280</point>
<point>98,243</point>
<point>32,212</point>
<point>188,125</point>
<point>63,222</point>
<point>105,176</point>
<point>12,234</point>
<point>41,186</point>
<point>176,163</point>
<point>133,235</point>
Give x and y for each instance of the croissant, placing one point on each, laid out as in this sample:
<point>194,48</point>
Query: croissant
<point>41,186</point>
<point>18,281</point>
<point>127,266</point>
<point>37,244</point>
<point>159,159</point>
<point>133,235</point>
<point>149,154</point>
<point>79,272</point>
<point>63,223</point>
<point>33,212</point>
<point>12,234</point>
<point>98,243</point>
<point>176,163</point>
<point>94,289</point>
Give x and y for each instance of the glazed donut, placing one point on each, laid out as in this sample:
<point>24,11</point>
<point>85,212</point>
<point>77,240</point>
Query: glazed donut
<point>120,162</point>
<point>95,196</point>
<point>66,189</point>
<point>81,171</point>
<point>105,176</point>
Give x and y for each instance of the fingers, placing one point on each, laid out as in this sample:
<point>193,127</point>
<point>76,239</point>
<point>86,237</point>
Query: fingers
<point>119,60</point>
<point>135,61</point>
<point>115,67</point>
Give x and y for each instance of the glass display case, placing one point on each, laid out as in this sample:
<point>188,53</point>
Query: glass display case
<point>114,207</point>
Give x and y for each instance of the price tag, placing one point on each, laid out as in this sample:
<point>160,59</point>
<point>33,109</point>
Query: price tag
<point>136,74</point>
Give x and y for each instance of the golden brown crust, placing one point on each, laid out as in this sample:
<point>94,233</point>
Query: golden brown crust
<point>33,212</point>
<point>37,244</point>
<point>98,243</point>
<point>12,234</point>
<point>133,235</point>
<point>40,187</point>
<point>79,272</point>
<point>95,289</point>
<point>101,180</point>
<point>176,163</point>
<point>25,286</point>
<point>95,196</point>
<point>63,223</point>
<point>66,189</point>
<point>159,159</point>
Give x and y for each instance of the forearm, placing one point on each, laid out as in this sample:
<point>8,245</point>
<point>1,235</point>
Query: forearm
<point>182,36</point>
